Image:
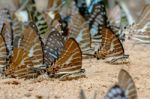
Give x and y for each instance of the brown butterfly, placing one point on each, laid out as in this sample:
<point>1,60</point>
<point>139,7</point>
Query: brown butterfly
<point>124,89</point>
<point>27,55</point>
<point>112,48</point>
<point>79,29</point>
<point>69,64</point>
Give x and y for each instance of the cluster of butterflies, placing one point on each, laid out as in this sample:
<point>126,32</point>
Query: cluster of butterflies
<point>56,44</point>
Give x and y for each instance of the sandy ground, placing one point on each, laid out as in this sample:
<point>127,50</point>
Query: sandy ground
<point>100,77</point>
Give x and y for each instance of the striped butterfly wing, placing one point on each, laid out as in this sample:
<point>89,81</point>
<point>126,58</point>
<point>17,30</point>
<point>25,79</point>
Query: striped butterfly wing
<point>17,32</point>
<point>79,30</point>
<point>28,55</point>
<point>127,84</point>
<point>3,54</point>
<point>97,19</point>
<point>111,45</point>
<point>84,40</point>
<point>141,29</point>
<point>125,89</point>
<point>142,38</point>
<point>53,47</point>
<point>6,29</point>
<point>144,19</point>
<point>31,42</point>
<point>19,61</point>
<point>39,20</point>
<point>76,23</point>
<point>69,62</point>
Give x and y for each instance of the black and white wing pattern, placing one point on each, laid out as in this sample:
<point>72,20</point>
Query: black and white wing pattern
<point>96,20</point>
<point>39,19</point>
<point>125,89</point>
<point>53,47</point>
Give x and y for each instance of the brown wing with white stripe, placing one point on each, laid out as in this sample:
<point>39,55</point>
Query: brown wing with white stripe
<point>79,30</point>
<point>31,42</point>
<point>111,45</point>
<point>70,61</point>
<point>3,54</point>
<point>29,54</point>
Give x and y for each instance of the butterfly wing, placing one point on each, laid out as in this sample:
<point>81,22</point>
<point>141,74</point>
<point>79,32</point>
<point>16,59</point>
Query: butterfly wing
<point>6,29</point>
<point>39,20</point>
<point>144,17</point>
<point>141,33</point>
<point>127,84</point>
<point>31,42</point>
<point>53,47</point>
<point>79,30</point>
<point>97,19</point>
<point>17,32</point>
<point>18,61</point>
<point>111,45</point>
<point>3,54</point>
<point>116,92</point>
<point>70,61</point>
<point>125,89</point>
<point>28,55</point>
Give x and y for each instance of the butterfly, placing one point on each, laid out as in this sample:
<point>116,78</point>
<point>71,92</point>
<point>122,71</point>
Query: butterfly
<point>39,20</point>
<point>140,31</point>
<point>69,64</point>
<point>96,20</point>
<point>53,47</point>
<point>3,54</point>
<point>6,29</point>
<point>27,56</point>
<point>111,48</point>
<point>124,89</point>
<point>79,30</point>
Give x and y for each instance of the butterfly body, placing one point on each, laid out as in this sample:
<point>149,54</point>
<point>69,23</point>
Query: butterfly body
<point>69,64</point>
